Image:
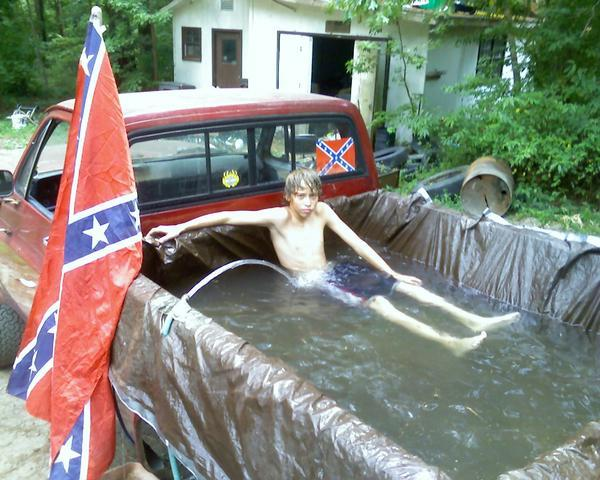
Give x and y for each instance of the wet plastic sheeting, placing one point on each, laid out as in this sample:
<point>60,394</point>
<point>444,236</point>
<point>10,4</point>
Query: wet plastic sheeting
<point>518,266</point>
<point>577,459</point>
<point>232,412</point>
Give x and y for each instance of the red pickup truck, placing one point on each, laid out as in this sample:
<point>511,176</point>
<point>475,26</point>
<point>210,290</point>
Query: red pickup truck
<point>224,408</point>
<point>193,152</point>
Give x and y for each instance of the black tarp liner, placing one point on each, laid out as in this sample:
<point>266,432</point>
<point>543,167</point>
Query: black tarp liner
<point>235,413</point>
<point>579,458</point>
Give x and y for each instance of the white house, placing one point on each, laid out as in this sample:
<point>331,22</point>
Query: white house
<point>300,45</point>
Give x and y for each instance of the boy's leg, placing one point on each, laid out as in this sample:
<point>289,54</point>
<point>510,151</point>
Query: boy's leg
<point>475,322</point>
<point>458,346</point>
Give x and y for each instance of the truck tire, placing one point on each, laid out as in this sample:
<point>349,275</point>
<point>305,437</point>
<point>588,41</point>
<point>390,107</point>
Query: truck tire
<point>11,331</point>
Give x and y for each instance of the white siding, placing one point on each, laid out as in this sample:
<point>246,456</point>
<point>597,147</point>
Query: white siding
<point>262,20</point>
<point>455,57</point>
<point>415,37</point>
<point>207,15</point>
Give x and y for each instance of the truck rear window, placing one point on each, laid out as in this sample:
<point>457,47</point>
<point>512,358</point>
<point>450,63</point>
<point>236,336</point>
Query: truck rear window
<point>198,164</point>
<point>231,160</point>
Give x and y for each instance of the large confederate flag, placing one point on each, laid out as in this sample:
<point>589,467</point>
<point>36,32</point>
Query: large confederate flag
<point>93,254</point>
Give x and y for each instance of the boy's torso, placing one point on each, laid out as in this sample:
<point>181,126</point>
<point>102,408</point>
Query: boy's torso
<point>299,242</point>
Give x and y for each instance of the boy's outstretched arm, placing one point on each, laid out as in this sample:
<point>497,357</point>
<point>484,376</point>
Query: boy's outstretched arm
<point>264,218</point>
<point>362,248</point>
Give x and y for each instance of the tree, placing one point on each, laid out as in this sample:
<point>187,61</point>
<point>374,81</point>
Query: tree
<point>546,122</point>
<point>142,37</point>
<point>41,41</point>
<point>386,16</point>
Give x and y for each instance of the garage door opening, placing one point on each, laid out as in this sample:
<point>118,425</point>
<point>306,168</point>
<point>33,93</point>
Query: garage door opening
<point>314,63</point>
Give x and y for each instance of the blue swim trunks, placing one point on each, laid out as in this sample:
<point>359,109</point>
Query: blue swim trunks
<point>359,281</point>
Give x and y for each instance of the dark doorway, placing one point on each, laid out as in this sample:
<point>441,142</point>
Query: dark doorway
<point>329,75</point>
<point>227,58</point>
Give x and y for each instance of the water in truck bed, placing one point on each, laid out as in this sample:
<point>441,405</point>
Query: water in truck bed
<point>520,394</point>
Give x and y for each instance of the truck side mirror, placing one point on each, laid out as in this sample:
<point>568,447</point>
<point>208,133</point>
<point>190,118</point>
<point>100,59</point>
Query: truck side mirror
<point>6,183</point>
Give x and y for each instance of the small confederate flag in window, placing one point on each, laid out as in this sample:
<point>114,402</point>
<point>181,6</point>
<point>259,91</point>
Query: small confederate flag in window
<point>335,156</point>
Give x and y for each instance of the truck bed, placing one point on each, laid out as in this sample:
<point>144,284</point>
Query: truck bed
<point>229,411</point>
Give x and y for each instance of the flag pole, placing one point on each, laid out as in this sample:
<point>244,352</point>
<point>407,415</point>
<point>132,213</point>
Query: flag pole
<point>96,17</point>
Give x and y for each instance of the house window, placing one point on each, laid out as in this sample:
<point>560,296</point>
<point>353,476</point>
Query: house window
<point>229,49</point>
<point>335,26</point>
<point>490,58</point>
<point>226,4</point>
<point>191,43</point>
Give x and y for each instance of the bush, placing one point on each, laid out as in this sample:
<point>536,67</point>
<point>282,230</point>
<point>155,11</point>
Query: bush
<point>544,139</point>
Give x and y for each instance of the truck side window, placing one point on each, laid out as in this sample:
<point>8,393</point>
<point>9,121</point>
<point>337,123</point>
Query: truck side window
<point>170,167</point>
<point>221,160</point>
<point>185,166</point>
<point>47,170</point>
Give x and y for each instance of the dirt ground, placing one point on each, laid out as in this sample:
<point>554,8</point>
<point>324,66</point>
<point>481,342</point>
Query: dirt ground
<point>24,440</point>
<point>24,445</point>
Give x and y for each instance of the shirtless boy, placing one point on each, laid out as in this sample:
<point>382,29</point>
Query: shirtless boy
<point>297,234</point>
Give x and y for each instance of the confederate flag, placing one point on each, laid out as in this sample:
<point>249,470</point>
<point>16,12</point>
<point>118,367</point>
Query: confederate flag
<point>93,254</point>
<point>335,156</point>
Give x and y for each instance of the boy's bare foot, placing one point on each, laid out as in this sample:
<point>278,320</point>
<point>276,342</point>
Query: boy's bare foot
<point>460,346</point>
<point>494,323</point>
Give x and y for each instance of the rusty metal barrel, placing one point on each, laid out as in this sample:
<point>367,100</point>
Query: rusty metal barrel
<point>489,184</point>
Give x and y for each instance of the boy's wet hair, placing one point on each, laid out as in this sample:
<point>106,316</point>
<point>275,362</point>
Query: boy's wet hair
<point>302,177</point>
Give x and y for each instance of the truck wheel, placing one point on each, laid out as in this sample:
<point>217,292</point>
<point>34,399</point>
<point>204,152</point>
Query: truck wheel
<point>11,331</point>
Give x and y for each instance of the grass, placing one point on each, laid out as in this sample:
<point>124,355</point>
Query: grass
<point>530,206</point>
<point>11,138</point>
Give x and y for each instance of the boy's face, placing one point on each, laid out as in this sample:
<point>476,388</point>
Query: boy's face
<point>303,201</point>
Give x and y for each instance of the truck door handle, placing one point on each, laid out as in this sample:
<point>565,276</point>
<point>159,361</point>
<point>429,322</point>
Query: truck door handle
<point>5,230</point>
<point>45,241</point>
<point>10,201</point>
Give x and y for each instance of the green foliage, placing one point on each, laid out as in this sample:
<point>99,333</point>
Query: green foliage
<point>11,138</point>
<point>129,41</point>
<point>420,124</point>
<point>544,121</point>
<point>17,54</point>
<point>542,137</point>
<point>39,53</point>
<point>531,205</point>
<point>385,16</point>
<point>548,129</point>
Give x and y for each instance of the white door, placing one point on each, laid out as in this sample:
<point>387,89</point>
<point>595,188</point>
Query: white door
<point>295,62</point>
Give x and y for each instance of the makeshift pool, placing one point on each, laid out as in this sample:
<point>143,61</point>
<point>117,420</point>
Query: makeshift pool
<point>231,412</point>
<point>475,417</point>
